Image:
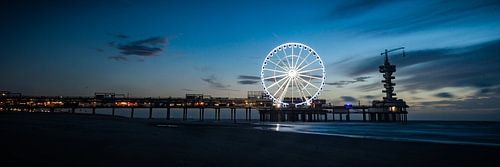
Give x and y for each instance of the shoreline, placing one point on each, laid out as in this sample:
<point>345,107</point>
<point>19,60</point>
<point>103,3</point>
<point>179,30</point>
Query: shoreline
<point>59,139</point>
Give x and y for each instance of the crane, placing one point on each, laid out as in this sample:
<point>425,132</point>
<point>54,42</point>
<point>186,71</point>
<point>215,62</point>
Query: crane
<point>386,52</point>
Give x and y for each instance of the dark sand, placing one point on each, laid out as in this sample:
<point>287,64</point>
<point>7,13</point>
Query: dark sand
<point>59,139</point>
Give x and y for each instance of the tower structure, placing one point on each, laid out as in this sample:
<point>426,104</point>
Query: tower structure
<point>390,102</point>
<point>387,69</point>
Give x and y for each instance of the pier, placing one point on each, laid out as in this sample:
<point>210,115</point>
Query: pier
<point>267,113</point>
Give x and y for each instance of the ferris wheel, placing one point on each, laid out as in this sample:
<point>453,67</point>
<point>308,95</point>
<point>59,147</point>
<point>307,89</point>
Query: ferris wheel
<point>293,73</point>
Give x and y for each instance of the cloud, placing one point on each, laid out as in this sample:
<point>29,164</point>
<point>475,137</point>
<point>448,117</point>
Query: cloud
<point>344,83</point>
<point>213,82</point>
<point>370,97</point>
<point>151,41</point>
<point>139,50</point>
<point>118,58</point>
<point>476,104</point>
<point>348,99</point>
<point>354,7</point>
<point>148,47</point>
<point>444,95</point>
<point>475,66</point>
<point>248,79</point>
<point>247,82</point>
<point>188,90</point>
<point>417,16</point>
<point>99,50</point>
<point>490,91</point>
<point>203,69</point>
<point>118,35</point>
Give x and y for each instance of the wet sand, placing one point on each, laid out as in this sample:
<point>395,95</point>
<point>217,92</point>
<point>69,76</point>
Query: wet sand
<point>61,139</point>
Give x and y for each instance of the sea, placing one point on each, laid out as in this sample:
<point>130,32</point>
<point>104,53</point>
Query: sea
<point>448,132</point>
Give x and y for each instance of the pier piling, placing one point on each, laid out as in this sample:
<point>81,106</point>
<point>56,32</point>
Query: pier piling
<point>132,112</point>
<point>168,113</point>
<point>150,112</point>
<point>184,113</point>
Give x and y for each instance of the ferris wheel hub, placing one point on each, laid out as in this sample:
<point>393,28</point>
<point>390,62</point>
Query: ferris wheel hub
<point>292,73</point>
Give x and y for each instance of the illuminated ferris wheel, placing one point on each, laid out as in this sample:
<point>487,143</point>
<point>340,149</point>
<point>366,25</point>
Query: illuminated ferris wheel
<point>293,73</point>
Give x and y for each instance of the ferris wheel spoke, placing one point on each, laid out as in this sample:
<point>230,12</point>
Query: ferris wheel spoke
<point>286,57</point>
<point>285,90</point>
<point>276,76</point>
<point>286,69</point>
<point>276,83</point>
<point>303,60</point>
<point>308,76</point>
<point>307,65</point>
<point>274,95</point>
<point>301,90</point>
<point>292,88</point>
<point>298,57</point>
<point>304,88</point>
<point>317,69</point>
<point>276,71</point>
<point>280,60</point>
<point>292,58</point>
<point>309,83</point>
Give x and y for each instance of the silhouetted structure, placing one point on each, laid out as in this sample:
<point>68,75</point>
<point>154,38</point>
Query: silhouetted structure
<point>194,96</point>
<point>390,103</point>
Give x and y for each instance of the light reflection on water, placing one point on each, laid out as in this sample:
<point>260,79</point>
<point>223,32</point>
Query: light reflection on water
<point>451,132</point>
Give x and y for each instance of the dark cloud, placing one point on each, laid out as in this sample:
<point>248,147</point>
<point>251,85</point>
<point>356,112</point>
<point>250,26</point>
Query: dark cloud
<point>112,44</point>
<point>370,86</point>
<point>203,69</point>
<point>348,99</point>
<point>149,47</point>
<point>139,50</point>
<point>476,104</point>
<point>355,7</point>
<point>344,83</point>
<point>362,79</point>
<point>249,77</point>
<point>493,91</point>
<point>370,97</point>
<point>473,66</point>
<point>247,82</point>
<point>146,47</point>
<point>118,58</point>
<point>188,90</point>
<point>99,50</point>
<point>119,36</point>
<point>444,95</point>
<point>151,41</point>
<point>432,14</point>
<point>213,82</point>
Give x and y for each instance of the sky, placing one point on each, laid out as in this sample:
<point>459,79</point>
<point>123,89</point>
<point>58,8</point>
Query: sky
<point>451,70</point>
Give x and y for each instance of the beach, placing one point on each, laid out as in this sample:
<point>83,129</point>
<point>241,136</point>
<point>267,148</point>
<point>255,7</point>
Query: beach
<point>63,139</point>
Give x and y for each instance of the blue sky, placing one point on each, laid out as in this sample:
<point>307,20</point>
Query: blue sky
<point>169,48</point>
